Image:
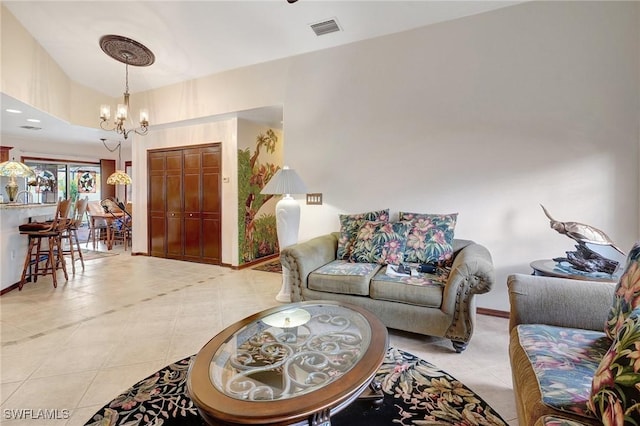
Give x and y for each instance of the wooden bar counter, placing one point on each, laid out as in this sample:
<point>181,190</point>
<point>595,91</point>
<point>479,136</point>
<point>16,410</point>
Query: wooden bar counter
<point>13,246</point>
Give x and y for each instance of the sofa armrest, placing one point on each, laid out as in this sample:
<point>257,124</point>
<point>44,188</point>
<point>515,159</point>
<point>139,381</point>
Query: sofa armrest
<point>303,258</point>
<point>472,273</point>
<point>559,301</point>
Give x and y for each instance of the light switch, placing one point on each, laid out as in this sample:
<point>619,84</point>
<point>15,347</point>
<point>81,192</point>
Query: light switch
<point>314,199</point>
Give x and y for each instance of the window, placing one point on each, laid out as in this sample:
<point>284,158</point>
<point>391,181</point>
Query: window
<point>57,179</point>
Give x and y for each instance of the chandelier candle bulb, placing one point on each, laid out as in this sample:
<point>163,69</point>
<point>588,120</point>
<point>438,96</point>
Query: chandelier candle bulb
<point>144,117</point>
<point>122,112</point>
<point>105,112</point>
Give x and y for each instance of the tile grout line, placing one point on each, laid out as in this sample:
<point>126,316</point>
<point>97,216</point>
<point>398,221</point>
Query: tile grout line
<point>110,311</point>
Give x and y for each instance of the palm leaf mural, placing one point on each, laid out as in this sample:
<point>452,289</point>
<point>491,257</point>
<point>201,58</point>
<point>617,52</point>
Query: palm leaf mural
<point>257,235</point>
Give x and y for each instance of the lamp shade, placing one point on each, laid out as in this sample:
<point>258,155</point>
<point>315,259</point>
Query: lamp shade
<point>15,169</point>
<point>119,178</point>
<point>285,181</point>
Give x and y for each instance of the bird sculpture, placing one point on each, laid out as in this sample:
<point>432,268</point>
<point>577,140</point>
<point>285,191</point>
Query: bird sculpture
<point>581,233</point>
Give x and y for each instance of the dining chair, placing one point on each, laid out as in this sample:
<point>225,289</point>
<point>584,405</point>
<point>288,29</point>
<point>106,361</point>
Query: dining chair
<point>121,223</point>
<point>97,222</point>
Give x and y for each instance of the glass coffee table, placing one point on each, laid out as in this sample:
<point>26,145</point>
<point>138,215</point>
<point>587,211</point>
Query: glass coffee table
<point>295,364</point>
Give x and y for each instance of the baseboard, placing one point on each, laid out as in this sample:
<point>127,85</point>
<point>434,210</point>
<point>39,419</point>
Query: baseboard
<point>8,289</point>
<point>493,312</point>
<point>256,262</point>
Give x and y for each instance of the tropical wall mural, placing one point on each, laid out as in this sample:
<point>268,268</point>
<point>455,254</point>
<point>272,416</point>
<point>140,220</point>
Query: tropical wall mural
<point>256,219</point>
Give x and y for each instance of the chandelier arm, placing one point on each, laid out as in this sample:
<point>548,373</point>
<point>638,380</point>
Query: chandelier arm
<point>142,131</point>
<point>105,126</point>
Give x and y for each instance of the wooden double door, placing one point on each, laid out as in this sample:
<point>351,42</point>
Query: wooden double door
<point>184,196</point>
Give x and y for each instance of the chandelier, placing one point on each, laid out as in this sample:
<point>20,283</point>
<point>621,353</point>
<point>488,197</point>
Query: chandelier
<point>129,52</point>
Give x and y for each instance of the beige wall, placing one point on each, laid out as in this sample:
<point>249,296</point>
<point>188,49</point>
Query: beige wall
<point>487,116</point>
<point>32,76</point>
<point>224,132</point>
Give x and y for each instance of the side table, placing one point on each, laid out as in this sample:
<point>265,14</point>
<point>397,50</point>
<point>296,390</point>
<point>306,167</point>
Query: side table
<point>551,268</point>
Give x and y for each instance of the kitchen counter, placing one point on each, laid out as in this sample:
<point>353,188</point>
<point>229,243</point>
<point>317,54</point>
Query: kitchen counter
<point>13,246</point>
<point>15,206</point>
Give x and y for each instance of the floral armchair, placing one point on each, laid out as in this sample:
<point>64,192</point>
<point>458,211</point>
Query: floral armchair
<point>575,348</point>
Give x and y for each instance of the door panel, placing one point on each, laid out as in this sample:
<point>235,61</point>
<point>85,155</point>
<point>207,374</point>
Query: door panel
<point>156,201</point>
<point>192,192</point>
<point>192,236</point>
<point>211,231</point>
<point>184,204</point>
<point>174,235</point>
<point>211,205</point>
<point>157,235</point>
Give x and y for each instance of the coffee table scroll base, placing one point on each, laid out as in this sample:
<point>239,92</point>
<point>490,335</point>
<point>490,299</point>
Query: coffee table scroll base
<point>321,418</point>
<point>373,393</point>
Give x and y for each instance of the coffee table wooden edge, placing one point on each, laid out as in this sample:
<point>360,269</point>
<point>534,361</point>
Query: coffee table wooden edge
<point>216,407</point>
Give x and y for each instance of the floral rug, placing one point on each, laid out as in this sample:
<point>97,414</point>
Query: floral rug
<point>270,266</point>
<point>415,393</point>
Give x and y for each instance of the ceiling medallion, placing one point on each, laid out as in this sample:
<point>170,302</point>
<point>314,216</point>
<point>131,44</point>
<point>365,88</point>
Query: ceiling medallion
<point>126,50</point>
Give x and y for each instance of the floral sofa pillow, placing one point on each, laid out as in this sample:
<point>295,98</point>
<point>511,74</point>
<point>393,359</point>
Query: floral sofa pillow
<point>349,226</point>
<point>430,239</point>
<point>615,395</point>
<point>627,293</point>
<point>380,242</point>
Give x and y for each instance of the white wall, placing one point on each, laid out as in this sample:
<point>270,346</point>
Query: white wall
<point>488,116</point>
<point>224,132</point>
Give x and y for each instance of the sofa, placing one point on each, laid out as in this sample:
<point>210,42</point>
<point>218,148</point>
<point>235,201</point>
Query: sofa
<point>574,348</point>
<point>441,303</point>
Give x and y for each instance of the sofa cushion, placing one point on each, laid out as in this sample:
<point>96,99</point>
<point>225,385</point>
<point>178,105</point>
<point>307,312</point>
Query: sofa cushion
<point>342,276</point>
<point>564,361</point>
<point>615,397</point>
<point>627,294</point>
<point>349,226</point>
<point>421,290</point>
<point>430,240</point>
<point>380,242</point>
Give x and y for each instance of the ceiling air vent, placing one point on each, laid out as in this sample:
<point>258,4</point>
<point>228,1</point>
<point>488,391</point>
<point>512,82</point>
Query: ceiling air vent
<point>325,27</point>
<point>31,127</point>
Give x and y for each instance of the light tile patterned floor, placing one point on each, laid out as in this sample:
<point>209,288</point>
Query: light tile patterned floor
<point>74,348</point>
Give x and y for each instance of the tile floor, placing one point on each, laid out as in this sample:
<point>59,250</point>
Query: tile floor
<point>74,348</point>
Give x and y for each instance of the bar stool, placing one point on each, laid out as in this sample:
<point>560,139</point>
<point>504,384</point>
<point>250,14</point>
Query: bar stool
<point>71,233</point>
<point>52,254</point>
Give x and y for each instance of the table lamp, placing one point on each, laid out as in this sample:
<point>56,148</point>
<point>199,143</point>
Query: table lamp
<point>14,169</point>
<point>286,182</point>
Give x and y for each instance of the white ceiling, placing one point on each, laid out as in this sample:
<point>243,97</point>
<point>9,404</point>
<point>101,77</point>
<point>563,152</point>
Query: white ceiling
<point>192,39</point>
